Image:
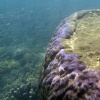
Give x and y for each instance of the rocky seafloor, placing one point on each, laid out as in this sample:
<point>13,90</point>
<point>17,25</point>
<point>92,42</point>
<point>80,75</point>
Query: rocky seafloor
<point>71,67</point>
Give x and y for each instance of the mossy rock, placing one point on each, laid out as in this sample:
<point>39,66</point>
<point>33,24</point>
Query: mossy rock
<point>71,70</point>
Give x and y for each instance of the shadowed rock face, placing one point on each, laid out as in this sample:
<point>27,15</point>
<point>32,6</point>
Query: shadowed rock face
<point>65,73</point>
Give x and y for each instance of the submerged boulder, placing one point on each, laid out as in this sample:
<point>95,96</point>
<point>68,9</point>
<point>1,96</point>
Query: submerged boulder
<point>71,69</point>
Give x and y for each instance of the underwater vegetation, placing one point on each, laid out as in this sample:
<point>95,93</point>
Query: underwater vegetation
<point>71,66</point>
<point>27,91</point>
<point>20,72</point>
<point>20,56</point>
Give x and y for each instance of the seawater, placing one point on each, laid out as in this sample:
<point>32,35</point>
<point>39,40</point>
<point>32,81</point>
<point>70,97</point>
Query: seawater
<point>26,27</point>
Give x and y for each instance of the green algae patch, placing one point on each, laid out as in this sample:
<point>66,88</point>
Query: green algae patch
<point>85,41</point>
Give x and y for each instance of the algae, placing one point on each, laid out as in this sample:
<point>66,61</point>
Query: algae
<point>85,41</point>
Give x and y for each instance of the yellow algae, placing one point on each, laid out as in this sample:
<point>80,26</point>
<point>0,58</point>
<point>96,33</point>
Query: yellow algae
<point>72,27</point>
<point>73,18</point>
<point>10,64</point>
<point>86,40</point>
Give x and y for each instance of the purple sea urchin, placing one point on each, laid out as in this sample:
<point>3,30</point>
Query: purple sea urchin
<point>73,75</point>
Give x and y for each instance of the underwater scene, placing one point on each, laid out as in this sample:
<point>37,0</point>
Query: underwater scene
<point>49,49</point>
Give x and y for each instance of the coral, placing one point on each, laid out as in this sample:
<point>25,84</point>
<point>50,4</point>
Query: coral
<point>17,68</point>
<point>65,75</point>
<point>19,51</point>
<point>26,91</point>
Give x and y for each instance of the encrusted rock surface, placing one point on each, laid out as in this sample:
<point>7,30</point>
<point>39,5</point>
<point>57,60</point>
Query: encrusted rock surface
<point>65,76</point>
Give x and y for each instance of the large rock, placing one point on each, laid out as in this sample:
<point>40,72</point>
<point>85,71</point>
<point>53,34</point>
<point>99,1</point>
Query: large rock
<point>72,63</point>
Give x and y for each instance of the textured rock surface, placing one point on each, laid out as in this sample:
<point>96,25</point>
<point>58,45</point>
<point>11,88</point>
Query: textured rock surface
<point>65,76</point>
